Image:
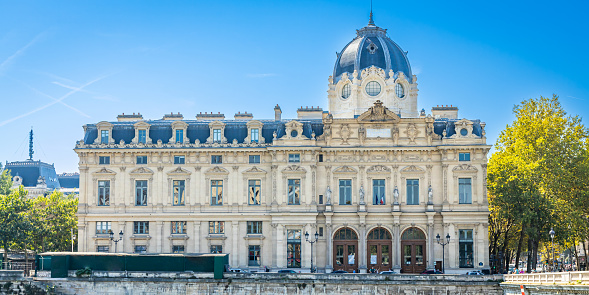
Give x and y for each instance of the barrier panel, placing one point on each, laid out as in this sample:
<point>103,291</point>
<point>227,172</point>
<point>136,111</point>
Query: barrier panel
<point>61,262</point>
<point>549,277</point>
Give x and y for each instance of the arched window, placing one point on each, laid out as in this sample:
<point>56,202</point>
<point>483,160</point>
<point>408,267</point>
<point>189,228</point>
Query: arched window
<point>379,233</point>
<point>345,233</point>
<point>413,233</point>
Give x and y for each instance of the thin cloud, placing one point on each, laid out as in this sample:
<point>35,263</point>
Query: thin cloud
<point>261,75</point>
<point>95,94</point>
<point>52,103</point>
<point>575,97</point>
<point>19,52</point>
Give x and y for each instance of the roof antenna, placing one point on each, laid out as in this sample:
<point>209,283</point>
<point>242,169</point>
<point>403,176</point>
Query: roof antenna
<point>371,21</point>
<point>31,152</point>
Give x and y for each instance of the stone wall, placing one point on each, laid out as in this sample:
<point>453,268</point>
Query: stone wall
<point>273,284</point>
<point>515,289</point>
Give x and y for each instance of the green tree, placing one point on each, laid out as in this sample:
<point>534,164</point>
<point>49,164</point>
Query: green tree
<point>13,215</point>
<point>537,175</point>
<point>5,182</point>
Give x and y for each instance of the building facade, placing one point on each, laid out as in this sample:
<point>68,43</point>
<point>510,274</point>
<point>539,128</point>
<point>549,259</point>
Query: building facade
<point>373,177</point>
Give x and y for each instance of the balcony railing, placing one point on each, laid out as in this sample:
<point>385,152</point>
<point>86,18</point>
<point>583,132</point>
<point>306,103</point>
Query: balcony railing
<point>581,277</point>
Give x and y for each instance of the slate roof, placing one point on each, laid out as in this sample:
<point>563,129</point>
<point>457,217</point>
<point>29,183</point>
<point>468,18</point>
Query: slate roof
<point>31,170</point>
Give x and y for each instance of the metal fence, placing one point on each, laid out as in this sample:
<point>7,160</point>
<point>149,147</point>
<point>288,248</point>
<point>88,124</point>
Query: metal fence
<point>24,266</point>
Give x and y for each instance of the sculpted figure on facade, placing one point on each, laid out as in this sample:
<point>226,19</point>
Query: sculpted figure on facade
<point>396,195</point>
<point>328,195</point>
<point>430,195</point>
<point>362,192</point>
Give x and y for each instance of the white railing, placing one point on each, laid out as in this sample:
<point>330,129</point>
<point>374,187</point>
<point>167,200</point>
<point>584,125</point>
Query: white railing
<point>549,278</point>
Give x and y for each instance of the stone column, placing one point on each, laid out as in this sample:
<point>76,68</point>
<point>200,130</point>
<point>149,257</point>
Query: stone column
<point>280,247</point>
<point>235,243</point>
<point>430,244</point>
<point>82,237</point>
<point>159,236</point>
<point>196,238</point>
<point>274,243</point>
<point>397,245</point>
<point>362,249</point>
<point>452,248</point>
<point>329,258</point>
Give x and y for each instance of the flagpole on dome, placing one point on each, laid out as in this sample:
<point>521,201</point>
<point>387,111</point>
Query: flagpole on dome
<point>371,21</point>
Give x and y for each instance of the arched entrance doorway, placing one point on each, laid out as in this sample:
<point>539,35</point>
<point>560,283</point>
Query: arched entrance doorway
<point>413,250</point>
<point>379,245</point>
<point>345,250</point>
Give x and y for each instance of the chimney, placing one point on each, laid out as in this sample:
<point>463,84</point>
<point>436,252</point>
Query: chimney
<point>310,113</point>
<point>172,116</point>
<point>448,112</point>
<point>277,113</point>
<point>243,116</point>
<point>129,118</point>
<point>211,116</point>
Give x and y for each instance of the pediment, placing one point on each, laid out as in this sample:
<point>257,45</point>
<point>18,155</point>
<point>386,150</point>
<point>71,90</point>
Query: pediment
<point>465,168</point>
<point>179,171</point>
<point>345,169</point>
<point>104,171</point>
<point>378,169</point>
<point>141,124</point>
<point>378,113</point>
<point>412,169</point>
<point>179,125</point>
<point>294,124</point>
<point>104,124</point>
<point>254,170</point>
<point>294,169</point>
<point>142,170</point>
<point>217,170</point>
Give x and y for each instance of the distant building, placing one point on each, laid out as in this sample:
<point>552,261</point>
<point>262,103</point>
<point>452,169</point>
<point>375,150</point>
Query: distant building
<point>69,182</point>
<point>37,177</point>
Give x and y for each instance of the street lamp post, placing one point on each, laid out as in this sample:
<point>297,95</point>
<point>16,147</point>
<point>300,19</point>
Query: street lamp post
<point>552,233</point>
<point>73,237</point>
<point>312,242</point>
<point>443,250</point>
<point>111,235</point>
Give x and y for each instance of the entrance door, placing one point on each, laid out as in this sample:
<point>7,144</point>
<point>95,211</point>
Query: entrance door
<point>345,250</point>
<point>379,245</point>
<point>413,251</point>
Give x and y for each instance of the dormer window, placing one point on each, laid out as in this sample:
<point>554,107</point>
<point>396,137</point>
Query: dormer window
<point>104,136</point>
<point>179,136</point>
<point>399,90</point>
<point>142,134</point>
<point>346,91</point>
<point>255,135</point>
<point>373,88</point>
<point>216,135</point>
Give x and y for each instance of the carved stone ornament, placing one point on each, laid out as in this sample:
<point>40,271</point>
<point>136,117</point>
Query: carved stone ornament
<point>463,126</point>
<point>217,170</point>
<point>378,169</point>
<point>345,133</point>
<point>254,170</point>
<point>142,170</point>
<point>294,168</point>
<point>345,169</point>
<point>412,169</point>
<point>412,132</point>
<point>378,113</point>
<point>465,168</point>
<point>179,170</point>
<point>105,171</point>
<point>372,70</point>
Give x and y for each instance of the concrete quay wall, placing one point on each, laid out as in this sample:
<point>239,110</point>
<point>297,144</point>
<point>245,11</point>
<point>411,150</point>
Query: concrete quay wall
<point>274,284</point>
<point>515,289</point>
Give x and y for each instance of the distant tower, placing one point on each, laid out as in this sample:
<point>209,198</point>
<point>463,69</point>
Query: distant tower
<point>31,152</point>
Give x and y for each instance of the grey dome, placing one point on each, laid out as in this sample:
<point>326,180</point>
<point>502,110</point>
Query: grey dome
<point>371,47</point>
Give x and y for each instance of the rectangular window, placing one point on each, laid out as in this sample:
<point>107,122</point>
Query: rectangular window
<point>102,227</point>
<point>254,227</point>
<point>345,192</point>
<point>141,159</point>
<point>178,159</point>
<point>465,248</point>
<point>179,227</point>
<point>103,249</point>
<point>103,192</point>
<point>216,159</point>
<point>140,249</point>
<point>294,158</point>
<point>216,227</point>
<point>464,156</point>
<point>216,135</point>
<point>179,136</point>
<point>254,255</point>
<point>412,191</point>
<point>216,192</point>
<point>378,192</point>
<point>178,249</point>
<point>254,159</point>
<point>294,191</point>
<point>104,160</point>
<point>293,255</point>
<point>140,192</point>
<point>320,199</point>
<point>255,135</point>
<point>320,157</point>
<point>178,192</point>
<point>464,191</point>
<point>104,136</point>
<point>254,191</point>
<point>141,227</point>
<point>142,134</point>
<point>216,249</point>
<point>321,231</point>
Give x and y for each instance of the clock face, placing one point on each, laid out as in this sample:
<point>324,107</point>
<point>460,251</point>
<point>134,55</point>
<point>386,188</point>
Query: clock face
<point>463,132</point>
<point>373,88</point>
<point>346,91</point>
<point>294,133</point>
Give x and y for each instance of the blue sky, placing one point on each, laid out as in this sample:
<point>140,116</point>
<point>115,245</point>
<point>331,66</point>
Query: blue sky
<point>67,63</point>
